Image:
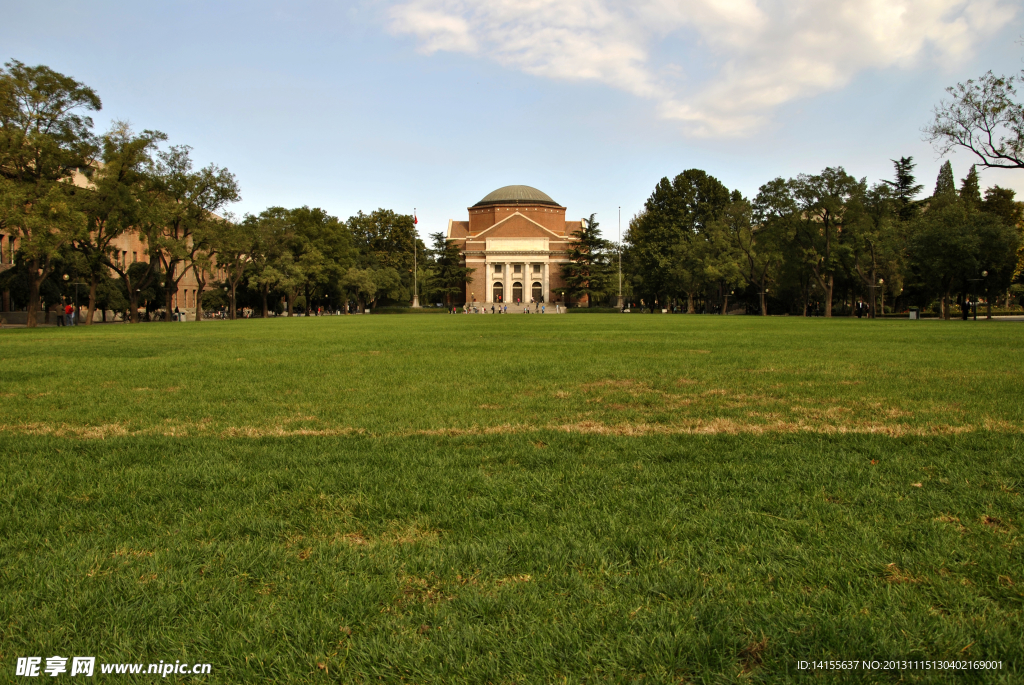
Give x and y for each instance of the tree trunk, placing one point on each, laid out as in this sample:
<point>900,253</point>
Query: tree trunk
<point>35,280</point>
<point>171,289</point>
<point>93,282</point>
<point>689,303</point>
<point>764,303</point>
<point>828,296</point>
<point>289,298</point>
<point>306,292</point>
<point>725,304</point>
<point>232,313</point>
<point>200,287</point>
<point>265,292</point>
<point>946,315</point>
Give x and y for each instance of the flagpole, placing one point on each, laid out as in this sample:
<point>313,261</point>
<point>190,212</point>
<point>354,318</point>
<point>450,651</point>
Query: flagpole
<point>415,284</point>
<point>620,260</point>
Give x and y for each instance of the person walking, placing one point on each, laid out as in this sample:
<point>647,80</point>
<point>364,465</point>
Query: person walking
<point>69,318</point>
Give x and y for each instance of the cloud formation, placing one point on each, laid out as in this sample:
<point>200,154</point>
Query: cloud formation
<point>719,66</point>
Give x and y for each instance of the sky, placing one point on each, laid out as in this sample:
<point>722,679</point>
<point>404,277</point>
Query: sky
<point>432,104</point>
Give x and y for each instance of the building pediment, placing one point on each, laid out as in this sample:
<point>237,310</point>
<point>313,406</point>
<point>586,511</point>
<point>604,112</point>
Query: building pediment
<point>517,226</point>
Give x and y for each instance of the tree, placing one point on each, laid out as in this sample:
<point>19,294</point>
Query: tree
<point>830,204</point>
<point>236,244</point>
<point>664,240</point>
<point>322,249</point>
<point>190,201</point>
<point>118,200</point>
<point>984,118</point>
<point>970,190</point>
<point>270,231</point>
<point>945,184</point>
<point>449,277</point>
<point>44,140</point>
<point>722,255</point>
<point>586,272</point>
<point>760,233</point>
<point>905,188</point>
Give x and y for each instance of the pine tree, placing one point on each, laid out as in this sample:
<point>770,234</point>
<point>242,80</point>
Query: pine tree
<point>449,276</point>
<point>586,271</point>
<point>905,188</point>
<point>970,189</point>
<point>945,184</point>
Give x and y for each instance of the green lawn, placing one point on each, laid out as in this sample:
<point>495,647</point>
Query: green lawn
<point>514,499</point>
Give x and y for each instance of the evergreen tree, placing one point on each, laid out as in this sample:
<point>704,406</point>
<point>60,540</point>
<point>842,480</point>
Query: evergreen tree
<point>449,277</point>
<point>945,184</point>
<point>905,188</point>
<point>586,272</point>
<point>999,201</point>
<point>970,190</point>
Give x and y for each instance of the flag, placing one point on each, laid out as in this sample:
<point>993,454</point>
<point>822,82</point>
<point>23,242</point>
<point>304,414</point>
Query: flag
<point>414,219</point>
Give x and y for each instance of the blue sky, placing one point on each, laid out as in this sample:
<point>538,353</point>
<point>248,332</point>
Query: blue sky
<point>434,103</point>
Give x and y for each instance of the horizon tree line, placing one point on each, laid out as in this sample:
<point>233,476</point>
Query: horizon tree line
<point>802,245</point>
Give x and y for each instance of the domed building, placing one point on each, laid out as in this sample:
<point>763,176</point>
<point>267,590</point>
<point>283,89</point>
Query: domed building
<point>516,240</point>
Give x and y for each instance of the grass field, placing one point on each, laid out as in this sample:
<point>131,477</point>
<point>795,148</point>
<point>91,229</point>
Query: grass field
<point>471,499</point>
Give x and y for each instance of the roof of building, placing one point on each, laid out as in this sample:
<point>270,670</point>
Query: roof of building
<point>516,195</point>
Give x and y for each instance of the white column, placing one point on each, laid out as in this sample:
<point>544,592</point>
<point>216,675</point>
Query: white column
<point>487,281</point>
<point>547,293</point>
<point>527,289</point>
<point>505,282</point>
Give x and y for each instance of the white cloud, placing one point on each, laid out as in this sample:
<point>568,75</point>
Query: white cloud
<point>762,54</point>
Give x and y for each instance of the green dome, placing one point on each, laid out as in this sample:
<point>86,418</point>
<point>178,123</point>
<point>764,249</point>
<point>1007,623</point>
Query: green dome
<point>516,195</point>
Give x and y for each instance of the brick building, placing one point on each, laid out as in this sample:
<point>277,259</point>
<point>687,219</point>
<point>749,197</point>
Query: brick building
<point>127,248</point>
<point>517,240</point>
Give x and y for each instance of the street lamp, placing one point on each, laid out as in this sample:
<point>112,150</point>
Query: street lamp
<point>76,284</point>
<point>881,296</point>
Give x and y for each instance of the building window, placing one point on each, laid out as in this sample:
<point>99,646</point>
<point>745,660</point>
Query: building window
<point>499,291</point>
<point>517,269</point>
<point>538,292</point>
<point>497,268</point>
<point>517,292</point>
<point>135,257</point>
<point>536,268</point>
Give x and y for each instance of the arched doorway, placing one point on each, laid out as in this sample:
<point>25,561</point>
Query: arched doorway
<point>498,291</point>
<point>538,292</point>
<point>517,292</point>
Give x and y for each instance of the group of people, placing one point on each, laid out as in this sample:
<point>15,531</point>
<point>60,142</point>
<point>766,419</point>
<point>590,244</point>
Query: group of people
<point>67,317</point>
<point>499,308</point>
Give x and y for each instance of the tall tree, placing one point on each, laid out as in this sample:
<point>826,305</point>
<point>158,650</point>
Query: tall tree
<point>235,246</point>
<point>762,237</point>
<point>586,272</point>
<point>118,200</point>
<point>665,240</point>
<point>905,188</point>
<point>983,117</point>
<point>449,277</point>
<point>945,183</point>
<point>190,201</point>
<point>44,140</point>
<point>970,190</point>
<point>831,204</point>
<point>271,228</point>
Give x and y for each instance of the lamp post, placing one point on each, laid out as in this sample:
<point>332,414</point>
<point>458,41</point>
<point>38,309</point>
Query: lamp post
<point>881,296</point>
<point>76,284</point>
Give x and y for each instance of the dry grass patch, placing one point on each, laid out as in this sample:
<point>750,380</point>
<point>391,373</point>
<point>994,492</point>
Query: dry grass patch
<point>894,574</point>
